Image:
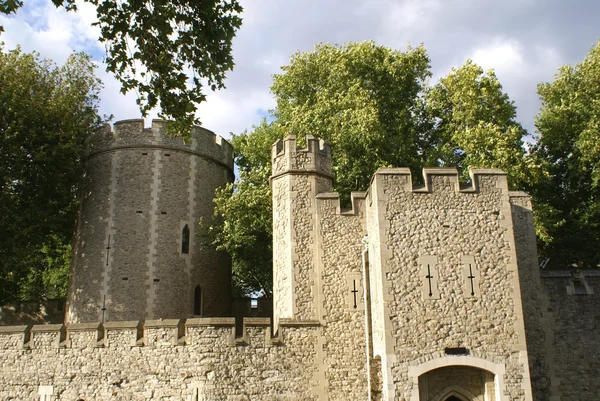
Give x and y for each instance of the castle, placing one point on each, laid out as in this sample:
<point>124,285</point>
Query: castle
<point>429,293</point>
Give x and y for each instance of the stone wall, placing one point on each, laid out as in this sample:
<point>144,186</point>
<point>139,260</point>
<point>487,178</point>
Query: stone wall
<point>573,344</point>
<point>412,294</point>
<point>562,324</point>
<point>318,265</point>
<point>141,189</point>
<point>298,175</point>
<point>448,276</point>
<point>538,328</point>
<point>167,360</point>
<point>341,297</point>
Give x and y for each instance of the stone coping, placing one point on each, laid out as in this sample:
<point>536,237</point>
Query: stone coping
<point>84,326</point>
<point>210,321</point>
<point>299,323</point>
<point>14,329</point>
<point>142,335</point>
<point>300,172</point>
<point>518,194</point>
<point>429,172</point>
<point>159,323</point>
<point>334,196</point>
<point>131,324</point>
<point>257,321</point>
<point>47,328</point>
<point>155,123</point>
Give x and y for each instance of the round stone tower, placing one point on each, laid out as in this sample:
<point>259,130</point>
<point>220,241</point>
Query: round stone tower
<point>137,254</point>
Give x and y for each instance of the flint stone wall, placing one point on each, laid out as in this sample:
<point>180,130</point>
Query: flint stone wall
<point>166,360</point>
<point>298,175</point>
<point>562,328</point>
<point>340,272</point>
<point>573,342</point>
<point>447,223</point>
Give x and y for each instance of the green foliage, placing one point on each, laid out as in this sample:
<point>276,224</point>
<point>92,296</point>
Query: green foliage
<point>46,113</point>
<point>474,123</point>
<point>10,6</point>
<point>568,194</point>
<point>362,99</point>
<point>243,210</point>
<point>151,46</point>
<point>371,104</point>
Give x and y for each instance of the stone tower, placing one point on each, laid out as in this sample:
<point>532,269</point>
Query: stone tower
<point>298,176</point>
<point>136,254</point>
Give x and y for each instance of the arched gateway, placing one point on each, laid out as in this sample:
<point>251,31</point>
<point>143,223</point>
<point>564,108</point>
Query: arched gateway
<point>453,378</point>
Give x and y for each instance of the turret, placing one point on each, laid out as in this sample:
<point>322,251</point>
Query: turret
<point>136,253</point>
<point>298,176</point>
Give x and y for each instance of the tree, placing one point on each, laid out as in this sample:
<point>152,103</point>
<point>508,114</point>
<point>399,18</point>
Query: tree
<point>372,105</point>
<point>46,112</point>
<point>474,124</point>
<point>151,46</point>
<point>243,210</point>
<point>362,99</point>
<point>567,198</point>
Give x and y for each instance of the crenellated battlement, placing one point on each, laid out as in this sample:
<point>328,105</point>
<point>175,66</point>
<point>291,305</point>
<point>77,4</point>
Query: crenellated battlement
<point>132,134</point>
<point>149,333</point>
<point>411,291</point>
<point>287,157</point>
<point>357,202</point>
<point>441,179</point>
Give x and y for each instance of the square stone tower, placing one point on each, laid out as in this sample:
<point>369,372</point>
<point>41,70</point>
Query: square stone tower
<point>298,176</point>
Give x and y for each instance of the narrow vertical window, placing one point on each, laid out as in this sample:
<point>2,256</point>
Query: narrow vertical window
<point>197,301</point>
<point>185,240</point>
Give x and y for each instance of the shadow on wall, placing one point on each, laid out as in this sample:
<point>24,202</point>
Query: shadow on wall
<point>250,307</point>
<point>33,312</point>
<point>52,311</point>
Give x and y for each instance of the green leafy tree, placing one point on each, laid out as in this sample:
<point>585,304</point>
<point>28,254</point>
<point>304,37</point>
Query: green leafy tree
<point>243,210</point>
<point>371,104</point>
<point>567,196</point>
<point>474,123</point>
<point>361,98</point>
<point>46,112</point>
<point>151,46</point>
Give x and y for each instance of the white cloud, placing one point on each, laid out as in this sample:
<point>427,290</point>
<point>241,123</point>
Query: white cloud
<point>502,55</point>
<point>224,113</point>
<point>411,15</point>
<point>519,70</point>
<point>525,42</point>
<point>51,31</point>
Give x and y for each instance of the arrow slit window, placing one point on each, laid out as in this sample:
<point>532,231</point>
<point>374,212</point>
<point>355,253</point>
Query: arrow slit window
<point>185,240</point>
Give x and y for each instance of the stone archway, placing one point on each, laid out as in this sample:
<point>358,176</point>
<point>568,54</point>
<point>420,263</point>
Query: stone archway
<point>465,378</point>
<point>465,383</point>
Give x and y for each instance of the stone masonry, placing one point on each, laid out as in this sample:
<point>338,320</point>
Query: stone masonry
<point>141,190</point>
<point>426,293</point>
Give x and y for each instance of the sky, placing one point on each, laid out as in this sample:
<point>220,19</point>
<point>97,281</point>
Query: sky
<point>524,41</point>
